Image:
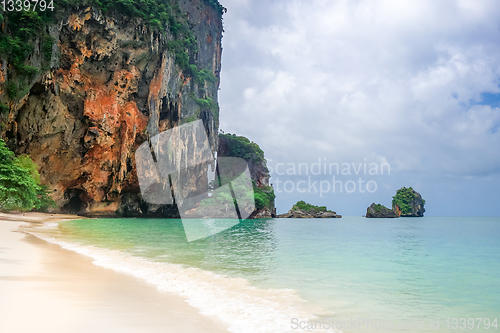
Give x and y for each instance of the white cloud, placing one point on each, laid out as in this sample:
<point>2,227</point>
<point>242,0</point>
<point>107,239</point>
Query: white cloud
<point>397,80</point>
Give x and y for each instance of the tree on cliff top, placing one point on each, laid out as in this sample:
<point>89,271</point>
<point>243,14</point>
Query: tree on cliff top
<point>20,187</point>
<point>239,146</point>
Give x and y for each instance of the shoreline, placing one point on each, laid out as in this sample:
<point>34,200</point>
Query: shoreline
<point>30,217</point>
<point>63,291</point>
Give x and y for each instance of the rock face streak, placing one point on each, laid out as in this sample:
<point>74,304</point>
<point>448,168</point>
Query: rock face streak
<point>112,84</point>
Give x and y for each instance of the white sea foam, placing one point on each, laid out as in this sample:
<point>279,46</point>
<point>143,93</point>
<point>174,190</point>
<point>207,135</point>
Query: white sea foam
<point>48,225</point>
<point>244,308</point>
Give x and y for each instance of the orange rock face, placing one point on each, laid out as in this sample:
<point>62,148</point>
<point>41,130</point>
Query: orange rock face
<point>397,210</point>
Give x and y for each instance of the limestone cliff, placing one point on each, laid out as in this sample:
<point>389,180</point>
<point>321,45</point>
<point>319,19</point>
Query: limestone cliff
<point>99,85</point>
<point>231,145</point>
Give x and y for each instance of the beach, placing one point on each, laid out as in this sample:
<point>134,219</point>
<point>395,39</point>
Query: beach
<point>45,288</point>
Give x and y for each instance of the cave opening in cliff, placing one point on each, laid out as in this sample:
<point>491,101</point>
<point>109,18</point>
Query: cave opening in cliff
<point>75,203</point>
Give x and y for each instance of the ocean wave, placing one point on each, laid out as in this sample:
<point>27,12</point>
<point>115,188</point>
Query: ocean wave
<point>48,225</point>
<point>243,307</point>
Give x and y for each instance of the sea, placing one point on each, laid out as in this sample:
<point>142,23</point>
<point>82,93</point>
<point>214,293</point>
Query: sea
<point>429,274</point>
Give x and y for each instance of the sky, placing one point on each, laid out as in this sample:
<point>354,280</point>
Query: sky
<point>368,97</point>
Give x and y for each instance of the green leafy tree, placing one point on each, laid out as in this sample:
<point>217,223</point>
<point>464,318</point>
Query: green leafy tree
<point>20,187</point>
<point>17,186</point>
<point>25,162</point>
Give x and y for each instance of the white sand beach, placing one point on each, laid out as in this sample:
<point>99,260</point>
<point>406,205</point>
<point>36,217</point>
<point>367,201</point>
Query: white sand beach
<point>44,288</point>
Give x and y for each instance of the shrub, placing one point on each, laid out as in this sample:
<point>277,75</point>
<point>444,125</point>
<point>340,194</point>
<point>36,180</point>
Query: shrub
<point>379,208</point>
<point>47,42</point>
<point>20,187</point>
<point>216,5</point>
<point>4,108</point>
<point>11,88</point>
<point>264,197</point>
<point>17,187</point>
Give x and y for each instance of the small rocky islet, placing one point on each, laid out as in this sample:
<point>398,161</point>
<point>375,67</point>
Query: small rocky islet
<point>406,203</point>
<point>303,210</point>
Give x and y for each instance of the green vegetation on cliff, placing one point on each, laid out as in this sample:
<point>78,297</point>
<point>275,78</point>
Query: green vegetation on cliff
<point>302,205</point>
<point>167,14</point>
<point>158,12</point>
<point>380,208</point>
<point>204,104</point>
<point>239,146</point>
<point>216,5</point>
<point>403,199</point>
<point>20,187</point>
<point>17,43</point>
<point>221,198</point>
<point>264,197</point>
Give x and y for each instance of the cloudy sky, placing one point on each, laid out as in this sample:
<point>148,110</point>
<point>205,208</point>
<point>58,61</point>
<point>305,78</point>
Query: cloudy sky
<point>412,84</point>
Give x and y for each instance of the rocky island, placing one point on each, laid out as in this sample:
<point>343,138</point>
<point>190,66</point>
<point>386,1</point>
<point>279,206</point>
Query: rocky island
<point>303,210</point>
<point>380,211</point>
<point>406,203</point>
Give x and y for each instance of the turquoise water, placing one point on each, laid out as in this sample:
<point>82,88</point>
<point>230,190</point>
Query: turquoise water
<point>391,270</point>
